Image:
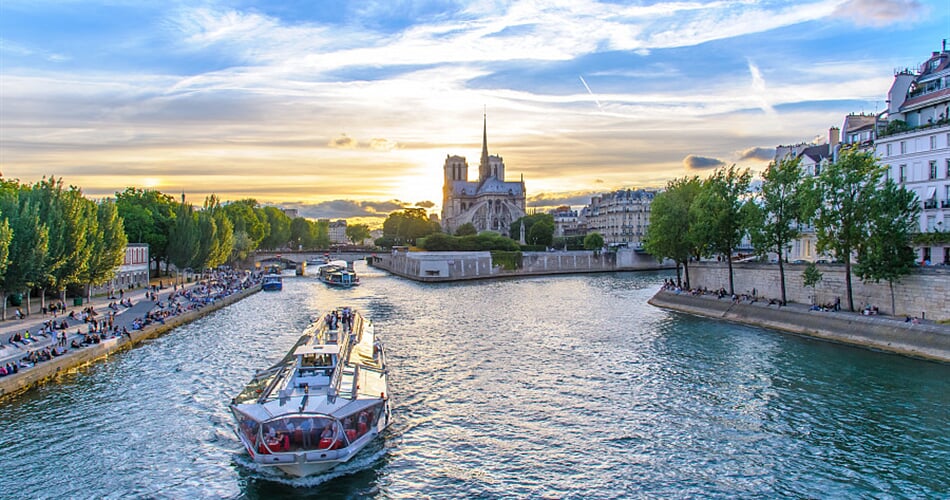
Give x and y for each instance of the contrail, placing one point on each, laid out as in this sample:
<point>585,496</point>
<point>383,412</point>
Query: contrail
<point>591,93</point>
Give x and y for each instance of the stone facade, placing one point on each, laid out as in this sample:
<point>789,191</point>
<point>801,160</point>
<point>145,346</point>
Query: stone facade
<point>490,204</point>
<point>926,292</point>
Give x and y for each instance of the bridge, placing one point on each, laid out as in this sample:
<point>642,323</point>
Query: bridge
<point>290,259</point>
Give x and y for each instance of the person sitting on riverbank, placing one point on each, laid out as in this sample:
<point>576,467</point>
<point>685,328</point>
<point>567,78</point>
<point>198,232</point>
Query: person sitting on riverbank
<point>870,310</point>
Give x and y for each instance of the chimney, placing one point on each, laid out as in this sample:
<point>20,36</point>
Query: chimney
<point>833,137</point>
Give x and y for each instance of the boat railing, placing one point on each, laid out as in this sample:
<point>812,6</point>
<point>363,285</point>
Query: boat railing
<point>347,340</point>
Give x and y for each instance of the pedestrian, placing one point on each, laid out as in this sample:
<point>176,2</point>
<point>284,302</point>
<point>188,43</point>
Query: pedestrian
<point>837,303</point>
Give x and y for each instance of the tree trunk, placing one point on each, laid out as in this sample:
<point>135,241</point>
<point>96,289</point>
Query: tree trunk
<point>686,271</point>
<point>678,281</point>
<point>3,309</point>
<point>42,298</point>
<point>847,281</point>
<point>89,292</point>
<point>28,290</point>
<point>893,307</point>
<point>781,278</point>
<point>732,289</point>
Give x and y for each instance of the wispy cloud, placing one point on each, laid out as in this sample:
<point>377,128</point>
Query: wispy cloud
<point>881,12</point>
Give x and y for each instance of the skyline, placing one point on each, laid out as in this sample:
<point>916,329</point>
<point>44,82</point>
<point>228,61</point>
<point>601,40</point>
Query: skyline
<point>349,111</point>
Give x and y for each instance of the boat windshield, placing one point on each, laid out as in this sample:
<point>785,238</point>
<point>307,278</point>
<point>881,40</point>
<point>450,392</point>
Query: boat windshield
<point>298,433</point>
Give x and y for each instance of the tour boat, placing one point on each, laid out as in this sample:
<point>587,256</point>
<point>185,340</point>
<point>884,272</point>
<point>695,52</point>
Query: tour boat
<point>272,282</point>
<point>322,403</point>
<point>337,274</point>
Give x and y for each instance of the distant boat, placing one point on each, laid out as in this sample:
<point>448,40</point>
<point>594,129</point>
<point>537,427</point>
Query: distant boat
<point>322,403</point>
<point>273,281</point>
<point>337,274</point>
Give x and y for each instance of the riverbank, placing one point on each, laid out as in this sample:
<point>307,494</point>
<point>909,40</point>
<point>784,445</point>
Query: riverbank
<point>74,359</point>
<point>930,341</point>
<point>436,267</point>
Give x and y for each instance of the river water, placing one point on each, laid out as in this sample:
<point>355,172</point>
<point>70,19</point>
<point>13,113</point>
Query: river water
<point>557,387</point>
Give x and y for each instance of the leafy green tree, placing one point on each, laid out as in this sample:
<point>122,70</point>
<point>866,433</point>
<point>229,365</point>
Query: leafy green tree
<point>319,235</point>
<point>224,236</point>
<point>183,240</point>
<point>845,190</point>
<point>147,217</point>
<point>108,246</point>
<point>670,234</point>
<point>279,234</point>
<point>886,253</point>
<point>811,276</point>
<point>249,224</point>
<point>718,214</point>
<point>29,244</point>
<point>405,226</point>
<point>207,239</point>
<point>71,219</point>
<point>593,241</point>
<point>357,233</point>
<point>775,220</point>
<point>514,232</point>
<point>541,233</point>
<point>299,233</point>
<point>466,229</point>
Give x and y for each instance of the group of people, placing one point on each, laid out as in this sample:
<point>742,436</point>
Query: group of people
<point>341,317</point>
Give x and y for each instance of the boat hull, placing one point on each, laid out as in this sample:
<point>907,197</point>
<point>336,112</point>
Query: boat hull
<point>272,287</point>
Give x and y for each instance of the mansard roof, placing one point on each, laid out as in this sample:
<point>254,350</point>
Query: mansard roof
<point>492,185</point>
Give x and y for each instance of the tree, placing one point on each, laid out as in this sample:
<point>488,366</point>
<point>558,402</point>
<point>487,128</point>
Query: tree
<point>541,233</point>
<point>279,234</point>
<point>224,234</point>
<point>299,233</point>
<point>319,235</point>
<point>466,229</point>
<point>71,219</point>
<point>207,239</point>
<point>29,243</point>
<point>249,226</point>
<point>593,241</point>
<point>718,213</point>
<point>356,233</point>
<point>514,232</point>
<point>886,253</point>
<point>183,239</point>
<point>408,224</point>
<point>811,276</point>
<point>147,217</point>
<point>774,222</point>
<point>845,190</point>
<point>108,246</point>
<point>670,233</point>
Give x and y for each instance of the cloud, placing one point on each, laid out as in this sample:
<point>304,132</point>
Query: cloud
<point>345,209</point>
<point>425,204</point>
<point>881,12</point>
<point>551,199</point>
<point>379,144</point>
<point>702,162</point>
<point>343,142</point>
<point>757,153</point>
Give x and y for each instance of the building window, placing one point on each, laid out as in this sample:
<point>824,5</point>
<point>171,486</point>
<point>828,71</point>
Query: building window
<point>933,142</point>
<point>933,169</point>
<point>887,148</point>
<point>903,147</point>
<point>948,167</point>
<point>902,176</point>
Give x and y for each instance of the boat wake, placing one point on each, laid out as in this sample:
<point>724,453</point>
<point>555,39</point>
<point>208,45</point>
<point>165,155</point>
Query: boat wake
<point>361,462</point>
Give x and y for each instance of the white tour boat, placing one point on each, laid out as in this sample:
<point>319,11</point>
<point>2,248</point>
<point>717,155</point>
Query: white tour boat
<point>321,404</point>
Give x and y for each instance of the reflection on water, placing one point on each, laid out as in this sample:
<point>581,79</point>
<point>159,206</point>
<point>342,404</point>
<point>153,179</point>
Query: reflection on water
<point>568,386</point>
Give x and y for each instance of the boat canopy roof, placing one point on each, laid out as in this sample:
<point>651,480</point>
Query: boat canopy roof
<point>317,349</point>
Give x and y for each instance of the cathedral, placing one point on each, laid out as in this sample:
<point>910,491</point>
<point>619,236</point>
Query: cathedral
<point>490,203</point>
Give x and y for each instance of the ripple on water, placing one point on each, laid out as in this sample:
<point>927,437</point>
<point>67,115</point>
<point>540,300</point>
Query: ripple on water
<point>556,387</point>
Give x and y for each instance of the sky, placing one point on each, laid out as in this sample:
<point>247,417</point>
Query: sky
<point>349,109</point>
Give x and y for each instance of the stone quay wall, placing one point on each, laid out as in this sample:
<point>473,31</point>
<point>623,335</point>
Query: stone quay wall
<point>460,266</point>
<point>925,293</point>
<point>925,341</point>
<point>73,360</point>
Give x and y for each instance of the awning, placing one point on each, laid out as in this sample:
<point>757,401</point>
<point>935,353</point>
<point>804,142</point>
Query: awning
<point>317,349</point>
<point>932,193</point>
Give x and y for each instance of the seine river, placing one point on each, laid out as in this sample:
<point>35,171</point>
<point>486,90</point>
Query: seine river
<point>551,387</point>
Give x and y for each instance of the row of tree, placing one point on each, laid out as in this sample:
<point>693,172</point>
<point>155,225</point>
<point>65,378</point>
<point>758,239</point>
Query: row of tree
<point>855,210</point>
<point>52,237</point>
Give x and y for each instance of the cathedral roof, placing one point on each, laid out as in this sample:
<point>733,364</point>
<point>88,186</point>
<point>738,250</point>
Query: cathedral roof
<point>492,185</point>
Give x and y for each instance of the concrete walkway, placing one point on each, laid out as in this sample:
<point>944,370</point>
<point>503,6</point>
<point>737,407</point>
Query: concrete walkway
<point>34,323</point>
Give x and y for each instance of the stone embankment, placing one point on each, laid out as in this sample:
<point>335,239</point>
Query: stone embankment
<point>462,266</point>
<point>927,340</point>
<point>74,359</point>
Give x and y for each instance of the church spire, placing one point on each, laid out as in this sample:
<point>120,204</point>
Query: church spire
<point>484,170</point>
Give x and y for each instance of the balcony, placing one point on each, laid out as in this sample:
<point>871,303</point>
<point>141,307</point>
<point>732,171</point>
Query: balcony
<point>930,204</point>
<point>945,204</point>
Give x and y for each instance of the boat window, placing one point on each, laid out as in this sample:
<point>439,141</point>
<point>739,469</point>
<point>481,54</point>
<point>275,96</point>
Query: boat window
<point>317,360</point>
<point>359,423</point>
<point>301,433</point>
<point>247,426</point>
